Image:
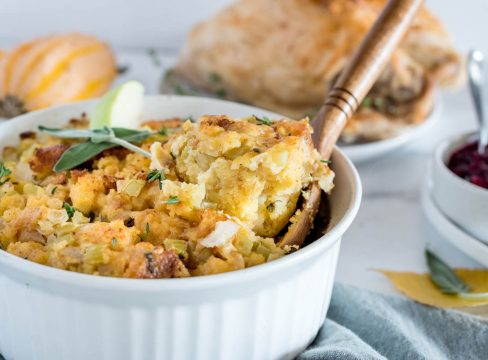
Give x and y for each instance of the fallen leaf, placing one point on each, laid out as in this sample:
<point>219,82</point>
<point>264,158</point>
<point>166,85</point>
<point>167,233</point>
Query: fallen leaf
<point>420,288</point>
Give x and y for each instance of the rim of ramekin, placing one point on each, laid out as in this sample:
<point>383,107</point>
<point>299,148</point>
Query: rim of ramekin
<point>442,154</point>
<point>320,245</point>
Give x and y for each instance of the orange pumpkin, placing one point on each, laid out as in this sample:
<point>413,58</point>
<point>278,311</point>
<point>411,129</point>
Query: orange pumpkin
<point>53,70</point>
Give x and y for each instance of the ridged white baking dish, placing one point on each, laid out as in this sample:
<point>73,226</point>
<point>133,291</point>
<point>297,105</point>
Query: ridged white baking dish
<point>272,311</point>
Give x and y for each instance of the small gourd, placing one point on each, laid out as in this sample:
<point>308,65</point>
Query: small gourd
<point>53,70</point>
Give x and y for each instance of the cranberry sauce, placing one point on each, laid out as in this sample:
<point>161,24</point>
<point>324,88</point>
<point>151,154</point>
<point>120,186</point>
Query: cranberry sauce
<point>469,165</point>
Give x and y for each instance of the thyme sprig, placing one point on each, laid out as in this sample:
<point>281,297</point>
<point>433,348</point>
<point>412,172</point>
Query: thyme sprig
<point>263,120</point>
<point>70,210</point>
<point>4,173</point>
<point>145,237</point>
<point>173,199</point>
<point>158,175</point>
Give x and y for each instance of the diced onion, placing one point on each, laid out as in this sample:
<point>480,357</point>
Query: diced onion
<point>223,233</point>
<point>23,172</point>
<point>57,216</point>
<point>156,156</point>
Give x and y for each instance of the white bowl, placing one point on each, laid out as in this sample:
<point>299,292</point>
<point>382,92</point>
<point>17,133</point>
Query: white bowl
<point>463,203</point>
<point>271,311</point>
<point>466,243</point>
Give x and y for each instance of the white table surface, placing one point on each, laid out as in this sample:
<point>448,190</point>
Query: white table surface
<point>390,231</point>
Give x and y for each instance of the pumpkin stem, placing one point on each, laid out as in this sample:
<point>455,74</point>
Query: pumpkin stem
<point>11,106</point>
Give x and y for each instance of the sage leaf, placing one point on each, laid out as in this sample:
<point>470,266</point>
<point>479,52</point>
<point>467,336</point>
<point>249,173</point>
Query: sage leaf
<point>130,135</point>
<point>68,133</point>
<point>102,135</point>
<point>444,277</point>
<point>79,154</point>
<point>98,141</point>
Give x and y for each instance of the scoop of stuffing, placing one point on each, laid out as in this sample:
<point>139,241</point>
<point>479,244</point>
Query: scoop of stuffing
<point>251,169</point>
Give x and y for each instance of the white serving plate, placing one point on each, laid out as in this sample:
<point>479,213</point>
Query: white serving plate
<point>466,243</point>
<point>361,153</point>
<point>271,311</point>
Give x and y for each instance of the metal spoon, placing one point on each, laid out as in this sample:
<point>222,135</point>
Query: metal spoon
<point>475,77</point>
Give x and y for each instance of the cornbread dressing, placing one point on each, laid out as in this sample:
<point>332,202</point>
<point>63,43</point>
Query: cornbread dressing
<point>226,189</point>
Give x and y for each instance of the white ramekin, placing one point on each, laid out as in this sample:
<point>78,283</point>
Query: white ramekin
<point>271,311</point>
<point>462,202</point>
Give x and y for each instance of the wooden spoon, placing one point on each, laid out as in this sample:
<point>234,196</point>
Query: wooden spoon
<point>348,92</point>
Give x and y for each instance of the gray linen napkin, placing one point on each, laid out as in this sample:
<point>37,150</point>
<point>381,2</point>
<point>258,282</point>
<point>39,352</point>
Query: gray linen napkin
<point>362,324</point>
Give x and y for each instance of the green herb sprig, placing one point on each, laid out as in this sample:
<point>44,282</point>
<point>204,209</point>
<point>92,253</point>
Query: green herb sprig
<point>146,238</point>
<point>173,199</point>
<point>163,132</point>
<point>153,55</point>
<point>375,102</point>
<point>98,140</point>
<point>70,210</point>
<point>4,173</point>
<point>158,175</point>
<point>447,280</point>
<point>216,80</point>
<point>263,120</point>
<point>177,85</point>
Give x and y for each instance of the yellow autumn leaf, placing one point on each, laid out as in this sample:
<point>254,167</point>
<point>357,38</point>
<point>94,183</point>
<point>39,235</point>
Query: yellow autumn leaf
<point>420,288</point>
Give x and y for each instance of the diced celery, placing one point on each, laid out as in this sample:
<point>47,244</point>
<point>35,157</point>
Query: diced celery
<point>274,256</point>
<point>94,254</point>
<point>263,250</point>
<point>179,247</point>
<point>31,189</point>
<point>79,218</point>
<point>244,244</point>
<point>269,243</point>
<point>132,187</point>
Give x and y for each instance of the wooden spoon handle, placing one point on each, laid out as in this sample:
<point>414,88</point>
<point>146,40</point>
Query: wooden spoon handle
<point>361,73</point>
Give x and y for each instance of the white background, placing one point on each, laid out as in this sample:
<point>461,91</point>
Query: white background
<point>164,23</point>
